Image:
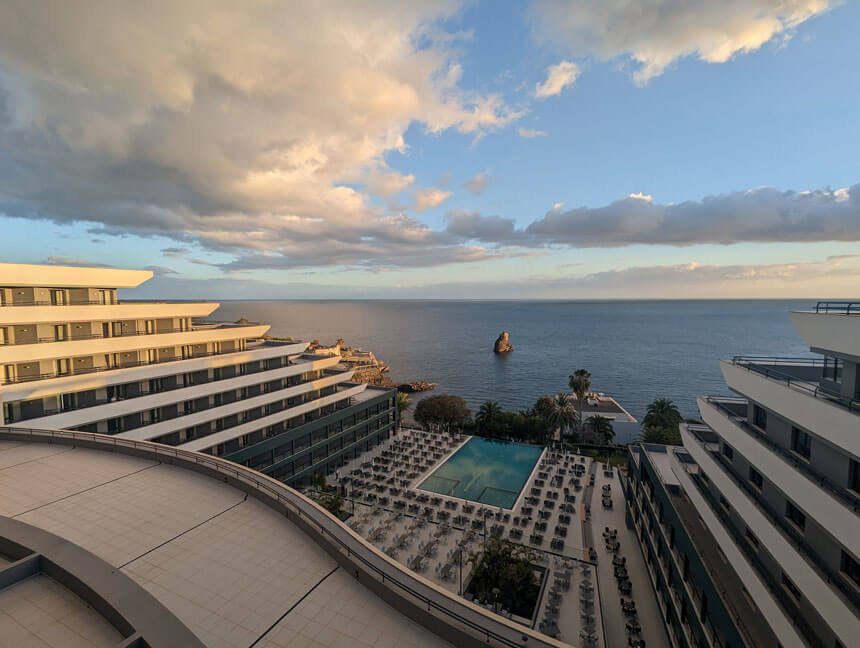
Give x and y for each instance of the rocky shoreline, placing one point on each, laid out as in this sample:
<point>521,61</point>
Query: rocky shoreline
<point>367,368</point>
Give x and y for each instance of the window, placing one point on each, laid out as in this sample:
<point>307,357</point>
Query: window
<point>60,332</point>
<point>727,450</point>
<point>62,366</point>
<point>751,538</point>
<point>756,478</point>
<point>833,369</point>
<point>760,417</point>
<point>801,442</point>
<point>4,335</point>
<point>9,373</point>
<point>795,515</point>
<point>68,402</point>
<point>58,298</point>
<point>851,568</point>
<point>104,297</point>
<point>791,587</point>
<point>854,476</point>
<point>725,504</point>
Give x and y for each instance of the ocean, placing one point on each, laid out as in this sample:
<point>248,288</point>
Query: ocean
<point>636,351</point>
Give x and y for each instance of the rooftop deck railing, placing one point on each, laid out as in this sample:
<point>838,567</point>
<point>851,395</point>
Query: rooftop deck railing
<point>98,302</point>
<point>841,493</point>
<point>461,616</point>
<point>765,366</point>
<point>137,363</point>
<point>838,307</point>
<point>207,326</point>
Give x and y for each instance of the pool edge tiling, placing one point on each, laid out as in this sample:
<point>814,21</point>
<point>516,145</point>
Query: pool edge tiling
<point>485,471</point>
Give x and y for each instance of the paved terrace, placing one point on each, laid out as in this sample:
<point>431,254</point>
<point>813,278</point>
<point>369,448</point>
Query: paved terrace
<point>429,532</point>
<point>240,559</point>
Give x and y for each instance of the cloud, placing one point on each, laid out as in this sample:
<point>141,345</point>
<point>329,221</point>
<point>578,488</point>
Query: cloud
<point>160,271</point>
<point>470,225</point>
<point>558,77</point>
<point>759,215</point>
<point>655,33</point>
<point>174,252</point>
<point>259,128</point>
<point>530,133</point>
<point>428,198</point>
<point>692,280</point>
<point>66,261</point>
<point>479,183</point>
<point>756,215</point>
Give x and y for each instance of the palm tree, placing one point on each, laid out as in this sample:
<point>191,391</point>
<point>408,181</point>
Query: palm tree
<point>662,413</point>
<point>580,384</point>
<point>602,428</point>
<point>661,422</point>
<point>561,415</point>
<point>487,414</point>
<point>404,403</point>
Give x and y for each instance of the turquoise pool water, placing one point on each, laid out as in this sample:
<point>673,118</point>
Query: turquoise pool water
<point>486,471</point>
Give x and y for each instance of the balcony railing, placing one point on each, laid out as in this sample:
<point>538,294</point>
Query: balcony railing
<point>102,336</point>
<point>838,307</point>
<point>765,367</point>
<point>777,521</point>
<point>421,594</point>
<point>841,493</point>
<point>124,365</point>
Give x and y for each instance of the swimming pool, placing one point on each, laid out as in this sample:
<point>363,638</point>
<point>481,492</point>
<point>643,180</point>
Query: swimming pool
<point>486,471</point>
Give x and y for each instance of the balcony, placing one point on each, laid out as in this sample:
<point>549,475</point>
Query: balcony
<point>834,601</point>
<point>726,408</point>
<point>832,328</point>
<point>789,387</point>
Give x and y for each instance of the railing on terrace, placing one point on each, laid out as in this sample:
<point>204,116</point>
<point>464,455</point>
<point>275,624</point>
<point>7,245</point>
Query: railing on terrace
<point>838,307</point>
<point>764,366</point>
<point>129,365</point>
<point>847,498</point>
<point>130,302</point>
<point>460,615</point>
<point>813,558</point>
<point>102,336</point>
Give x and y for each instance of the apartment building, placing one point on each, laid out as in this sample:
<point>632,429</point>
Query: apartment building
<point>754,526</point>
<point>74,357</point>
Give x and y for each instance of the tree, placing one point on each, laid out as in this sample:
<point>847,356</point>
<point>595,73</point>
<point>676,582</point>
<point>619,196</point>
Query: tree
<point>560,413</point>
<point>507,568</point>
<point>661,422</point>
<point>488,416</point>
<point>442,413</point>
<point>602,428</point>
<point>404,403</point>
<point>580,384</point>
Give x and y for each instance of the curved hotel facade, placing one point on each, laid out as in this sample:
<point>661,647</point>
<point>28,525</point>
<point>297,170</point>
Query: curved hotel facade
<point>73,357</point>
<point>752,530</point>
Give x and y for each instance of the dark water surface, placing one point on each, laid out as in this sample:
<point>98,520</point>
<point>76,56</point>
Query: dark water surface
<point>636,351</point>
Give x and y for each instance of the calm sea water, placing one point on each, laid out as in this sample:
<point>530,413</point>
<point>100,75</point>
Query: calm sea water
<point>636,351</point>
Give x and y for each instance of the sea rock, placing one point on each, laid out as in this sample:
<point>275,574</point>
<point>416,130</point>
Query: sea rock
<point>503,343</point>
<point>417,386</point>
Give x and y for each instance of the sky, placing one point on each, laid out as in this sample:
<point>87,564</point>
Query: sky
<point>342,149</point>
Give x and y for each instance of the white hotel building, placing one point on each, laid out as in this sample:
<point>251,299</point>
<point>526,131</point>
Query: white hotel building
<point>73,357</point>
<point>753,528</point>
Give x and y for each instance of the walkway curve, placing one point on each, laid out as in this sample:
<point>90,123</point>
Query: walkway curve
<point>457,620</point>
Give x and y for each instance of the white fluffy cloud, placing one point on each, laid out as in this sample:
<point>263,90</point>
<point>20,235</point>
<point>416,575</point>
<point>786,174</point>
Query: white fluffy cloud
<point>558,77</point>
<point>428,198</point>
<point>253,126</point>
<point>654,33</point>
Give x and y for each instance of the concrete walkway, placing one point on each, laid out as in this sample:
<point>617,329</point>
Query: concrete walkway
<point>648,611</point>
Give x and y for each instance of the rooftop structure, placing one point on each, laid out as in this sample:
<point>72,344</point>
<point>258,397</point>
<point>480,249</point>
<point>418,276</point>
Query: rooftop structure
<point>626,427</point>
<point>74,357</point>
<point>756,523</point>
<point>115,542</point>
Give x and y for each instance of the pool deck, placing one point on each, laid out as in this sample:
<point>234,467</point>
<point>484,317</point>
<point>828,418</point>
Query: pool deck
<point>577,577</point>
